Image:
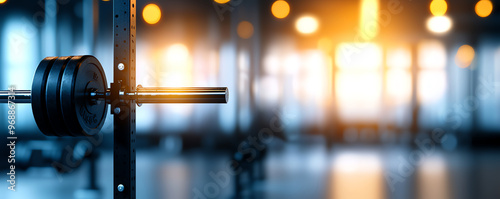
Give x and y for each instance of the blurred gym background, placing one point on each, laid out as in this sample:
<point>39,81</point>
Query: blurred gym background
<point>329,98</point>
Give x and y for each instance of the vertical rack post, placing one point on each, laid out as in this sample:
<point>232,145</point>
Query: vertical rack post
<point>124,32</point>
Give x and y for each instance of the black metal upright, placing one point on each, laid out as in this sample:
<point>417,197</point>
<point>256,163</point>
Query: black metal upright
<point>124,110</point>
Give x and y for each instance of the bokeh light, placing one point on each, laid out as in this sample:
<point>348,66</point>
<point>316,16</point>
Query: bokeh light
<point>398,86</point>
<point>358,95</point>
<point>151,14</point>
<point>221,1</point>
<point>2,1</point>
<point>177,54</point>
<point>398,76</point>
<point>399,58</point>
<point>366,56</point>
<point>307,24</point>
<point>438,7</point>
<point>465,56</point>
<point>431,86</point>
<point>439,24</point>
<point>176,65</point>
<point>245,29</point>
<point>431,54</point>
<point>280,9</point>
<point>431,80</point>
<point>358,83</point>
<point>484,8</point>
<point>369,19</point>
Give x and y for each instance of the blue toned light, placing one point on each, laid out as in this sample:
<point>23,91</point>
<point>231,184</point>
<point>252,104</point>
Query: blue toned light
<point>20,57</point>
<point>227,114</point>
<point>49,29</point>
<point>20,47</point>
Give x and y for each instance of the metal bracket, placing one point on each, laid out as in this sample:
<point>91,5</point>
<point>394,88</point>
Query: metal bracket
<point>124,119</point>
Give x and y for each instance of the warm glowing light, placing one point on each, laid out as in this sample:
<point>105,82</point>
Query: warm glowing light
<point>399,58</point>
<point>358,95</point>
<point>280,9</point>
<point>2,1</point>
<point>484,8</point>
<point>433,178</point>
<point>398,86</point>
<point>354,171</point>
<point>221,1</point>
<point>431,54</point>
<point>177,70</point>
<point>438,7</point>
<point>307,25</point>
<point>177,53</point>
<point>465,56</point>
<point>369,26</point>
<point>398,76</point>
<point>151,14</point>
<point>245,29</point>
<point>358,56</point>
<point>439,24</point>
<point>358,83</point>
<point>326,45</point>
<point>432,78</point>
<point>292,63</point>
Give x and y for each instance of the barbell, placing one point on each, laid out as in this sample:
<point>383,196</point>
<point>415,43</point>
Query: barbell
<point>69,96</point>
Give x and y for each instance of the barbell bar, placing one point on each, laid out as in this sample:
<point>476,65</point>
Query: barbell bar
<point>69,96</point>
<point>143,95</point>
<point>156,95</point>
<point>20,96</point>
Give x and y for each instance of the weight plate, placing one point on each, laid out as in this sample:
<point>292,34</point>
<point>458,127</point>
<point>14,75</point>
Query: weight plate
<point>82,75</point>
<point>52,97</point>
<point>38,86</point>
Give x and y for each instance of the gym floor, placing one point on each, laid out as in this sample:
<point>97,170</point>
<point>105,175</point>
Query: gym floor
<point>294,170</point>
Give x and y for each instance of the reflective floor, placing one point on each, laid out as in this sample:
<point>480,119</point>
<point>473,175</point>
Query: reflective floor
<point>292,170</point>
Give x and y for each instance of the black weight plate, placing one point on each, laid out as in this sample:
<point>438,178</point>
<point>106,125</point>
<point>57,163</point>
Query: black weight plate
<point>52,97</point>
<point>83,74</point>
<point>38,95</point>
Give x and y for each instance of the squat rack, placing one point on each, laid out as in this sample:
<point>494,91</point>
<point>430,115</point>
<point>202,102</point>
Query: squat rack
<point>123,106</point>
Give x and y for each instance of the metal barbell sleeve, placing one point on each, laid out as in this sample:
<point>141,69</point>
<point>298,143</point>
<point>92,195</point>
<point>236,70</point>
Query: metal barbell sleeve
<point>180,95</point>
